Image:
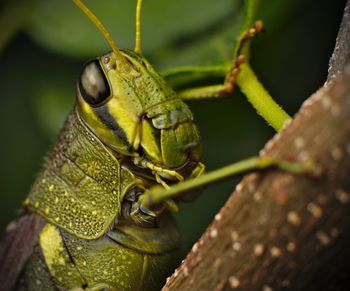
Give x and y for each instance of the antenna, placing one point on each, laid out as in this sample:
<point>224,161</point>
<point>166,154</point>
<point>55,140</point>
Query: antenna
<point>103,30</point>
<point>138,27</point>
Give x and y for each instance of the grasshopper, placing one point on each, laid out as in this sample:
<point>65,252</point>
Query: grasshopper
<point>100,209</point>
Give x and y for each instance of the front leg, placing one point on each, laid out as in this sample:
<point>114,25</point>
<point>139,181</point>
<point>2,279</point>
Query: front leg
<point>156,195</point>
<point>229,72</point>
<point>239,73</point>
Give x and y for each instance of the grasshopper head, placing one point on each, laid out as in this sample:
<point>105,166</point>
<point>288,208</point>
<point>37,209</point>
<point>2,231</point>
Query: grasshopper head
<point>134,112</point>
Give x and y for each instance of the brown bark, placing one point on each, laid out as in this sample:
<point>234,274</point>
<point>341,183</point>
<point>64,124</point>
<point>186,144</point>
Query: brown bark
<point>341,53</point>
<point>283,231</point>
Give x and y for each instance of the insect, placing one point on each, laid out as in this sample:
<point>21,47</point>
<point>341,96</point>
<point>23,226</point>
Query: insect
<point>100,207</point>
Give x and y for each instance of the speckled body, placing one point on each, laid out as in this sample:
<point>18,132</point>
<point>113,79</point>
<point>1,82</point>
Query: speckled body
<point>98,235</point>
<point>79,192</point>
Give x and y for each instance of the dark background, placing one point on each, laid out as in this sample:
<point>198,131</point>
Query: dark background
<point>41,61</point>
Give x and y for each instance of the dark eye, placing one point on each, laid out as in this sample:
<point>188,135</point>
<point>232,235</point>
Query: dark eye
<point>93,84</point>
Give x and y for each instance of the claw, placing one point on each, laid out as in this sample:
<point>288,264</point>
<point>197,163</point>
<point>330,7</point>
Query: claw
<point>240,59</point>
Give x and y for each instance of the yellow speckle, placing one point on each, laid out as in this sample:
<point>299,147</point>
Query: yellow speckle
<point>266,288</point>
<point>234,235</point>
<point>36,204</point>
<point>94,212</point>
<point>257,196</point>
<point>337,153</point>
<point>26,201</point>
<point>72,200</point>
<point>239,187</point>
<point>258,249</point>
<point>323,237</point>
<point>213,233</point>
<point>236,246</point>
<point>275,251</point>
<point>314,209</point>
<point>43,181</point>
<point>84,263</point>
<point>61,261</point>
<point>105,273</point>
<point>79,248</point>
<point>47,210</point>
<point>291,247</point>
<point>293,218</point>
<point>218,217</point>
<point>56,200</point>
<point>299,142</point>
<point>234,282</point>
<point>57,219</point>
<point>59,279</point>
<point>342,196</point>
<point>51,187</point>
<point>69,273</point>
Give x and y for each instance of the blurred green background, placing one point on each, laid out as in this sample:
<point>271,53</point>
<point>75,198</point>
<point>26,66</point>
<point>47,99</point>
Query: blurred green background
<point>43,44</point>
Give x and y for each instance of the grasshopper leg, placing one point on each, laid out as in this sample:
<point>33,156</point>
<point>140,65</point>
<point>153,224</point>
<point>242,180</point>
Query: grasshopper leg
<point>225,89</point>
<point>169,203</point>
<point>158,195</point>
<point>239,73</point>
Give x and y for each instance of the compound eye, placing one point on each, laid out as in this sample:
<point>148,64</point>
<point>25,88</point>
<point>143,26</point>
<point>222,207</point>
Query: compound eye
<point>93,84</point>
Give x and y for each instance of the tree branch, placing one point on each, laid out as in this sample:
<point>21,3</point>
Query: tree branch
<point>281,231</point>
<point>341,53</point>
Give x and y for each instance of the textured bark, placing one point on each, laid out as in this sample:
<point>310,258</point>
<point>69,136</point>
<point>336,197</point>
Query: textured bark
<point>283,231</point>
<point>341,53</point>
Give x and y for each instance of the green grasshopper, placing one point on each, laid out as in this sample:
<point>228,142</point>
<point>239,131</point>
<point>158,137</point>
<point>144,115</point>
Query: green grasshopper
<point>99,210</point>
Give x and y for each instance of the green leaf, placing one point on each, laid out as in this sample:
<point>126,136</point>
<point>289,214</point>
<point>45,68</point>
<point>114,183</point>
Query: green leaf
<point>62,27</point>
<point>52,104</point>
